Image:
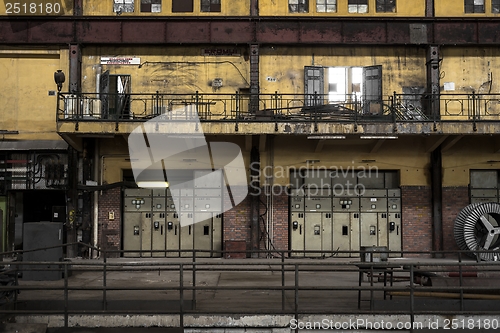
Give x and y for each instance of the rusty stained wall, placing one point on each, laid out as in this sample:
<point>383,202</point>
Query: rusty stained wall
<point>228,8</point>
<point>401,66</point>
<point>455,8</point>
<point>403,8</point>
<point>292,152</point>
<point>470,153</point>
<point>26,77</point>
<point>170,70</point>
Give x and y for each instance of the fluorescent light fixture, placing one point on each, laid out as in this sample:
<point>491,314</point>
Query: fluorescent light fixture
<point>152,184</point>
<point>378,137</point>
<point>312,161</point>
<point>326,137</point>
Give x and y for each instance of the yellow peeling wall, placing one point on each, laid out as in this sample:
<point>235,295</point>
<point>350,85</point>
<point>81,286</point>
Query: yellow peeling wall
<point>170,70</point>
<point>26,77</point>
<point>413,164</point>
<point>400,66</point>
<point>403,8</point>
<point>451,8</point>
<point>228,8</point>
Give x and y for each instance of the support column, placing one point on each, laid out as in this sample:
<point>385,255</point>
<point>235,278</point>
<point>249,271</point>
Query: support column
<point>254,78</point>
<point>88,162</point>
<point>437,201</point>
<point>72,202</point>
<point>77,7</point>
<point>433,82</point>
<point>429,8</point>
<point>254,8</point>
<point>254,192</point>
<point>75,69</point>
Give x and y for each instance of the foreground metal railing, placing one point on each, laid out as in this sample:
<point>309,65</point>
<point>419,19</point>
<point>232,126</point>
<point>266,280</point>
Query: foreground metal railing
<point>279,107</point>
<point>289,286</point>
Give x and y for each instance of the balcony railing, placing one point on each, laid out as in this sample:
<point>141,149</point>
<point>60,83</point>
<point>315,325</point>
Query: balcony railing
<point>279,107</point>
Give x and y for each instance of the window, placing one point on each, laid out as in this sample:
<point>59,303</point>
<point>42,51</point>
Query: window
<point>182,6</point>
<point>298,6</point>
<point>386,6</point>
<point>326,6</point>
<point>151,6</point>
<point>357,6</point>
<point>474,6</point>
<point>210,5</point>
<point>123,6</point>
<point>495,6</point>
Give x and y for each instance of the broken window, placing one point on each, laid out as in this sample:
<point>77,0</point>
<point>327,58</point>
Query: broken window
<point>358,6</point>
<point>210,6</point>
<point>474,6</point>
<point>123,6</point>
<point>326,6</point>
<point>298,6</point>
<point>386,6</point>
<point>151,6</point>
<point>495,6</point>
<point>182,6</point>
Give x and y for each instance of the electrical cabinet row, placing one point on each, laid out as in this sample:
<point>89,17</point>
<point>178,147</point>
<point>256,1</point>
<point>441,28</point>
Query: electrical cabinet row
<point>152,225</point>
<point>345,223</point>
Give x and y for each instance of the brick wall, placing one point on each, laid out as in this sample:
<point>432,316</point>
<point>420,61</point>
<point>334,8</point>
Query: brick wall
<point>237,221</point>
<point>454,200</point>
<point>110,230</point>
<point>416,218</point>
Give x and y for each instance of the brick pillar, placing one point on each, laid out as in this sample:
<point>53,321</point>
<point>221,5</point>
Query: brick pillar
<point>454,200</point>
<point>237,221</point>
<point>110,230</point>
<point>279,228</point>
<point>417,218</point>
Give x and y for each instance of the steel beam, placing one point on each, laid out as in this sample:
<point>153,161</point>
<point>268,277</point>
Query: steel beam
<point>437,202</point>
<point>254,78</point>
<point>75,69</point>
<point>248,30</point>
<point>433,81</point>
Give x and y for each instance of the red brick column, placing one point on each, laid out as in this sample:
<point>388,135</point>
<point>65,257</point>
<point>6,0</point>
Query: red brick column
<point>236,220</point>
<point>279,227</point>
<point>416,218</point>
<point>110,230</point>
<point>454,200</point>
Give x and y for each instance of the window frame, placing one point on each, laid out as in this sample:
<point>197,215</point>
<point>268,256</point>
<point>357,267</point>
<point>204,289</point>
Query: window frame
<point>146,7</point>
<point>325,5</point>
<point>210,6</point>
<point>182,6</point>
<point>302,6</point>
<point>359,5</point>
<point>471,8</point>
<point>385,6</point>
<point>123,6</point>
<point>495,6</point>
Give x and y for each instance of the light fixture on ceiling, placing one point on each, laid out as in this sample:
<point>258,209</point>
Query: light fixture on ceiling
<point>378,137</point>
<point>326,137</point>
<point>312,161</point>
<point>153,184</point>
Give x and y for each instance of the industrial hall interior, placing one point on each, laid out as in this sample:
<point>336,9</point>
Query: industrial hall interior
<point>355,123</point>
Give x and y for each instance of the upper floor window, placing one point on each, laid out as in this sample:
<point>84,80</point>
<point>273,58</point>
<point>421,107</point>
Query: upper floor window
<point>182,6</point>
<point>151,6</point>
<point>474,6</point>
<point>326,6</point>
<point>298,6</point>
<point>386,6</point>
<point>495,6</point>
<point>358,6</point>
<point>123,6</point>
<point>210,5</point>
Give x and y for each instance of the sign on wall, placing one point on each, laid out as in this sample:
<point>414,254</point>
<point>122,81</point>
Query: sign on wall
<point>120,61</point>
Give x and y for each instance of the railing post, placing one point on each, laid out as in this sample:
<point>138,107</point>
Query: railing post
<point>197,101</point>
<point>65,294</point>
<point>104,300</point>
<point>297,294</point>
<point>283,280</point>
<point>461,281</point>
<point>181,295</point>
<point>237,111</point>
<point>412,297</point>
<point>194,280</point>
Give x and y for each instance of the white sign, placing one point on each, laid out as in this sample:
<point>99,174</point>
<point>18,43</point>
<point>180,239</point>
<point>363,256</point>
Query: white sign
<point>120,61</point>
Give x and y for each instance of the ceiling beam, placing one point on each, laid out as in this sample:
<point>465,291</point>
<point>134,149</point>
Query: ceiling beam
<point>319,146</point>
<point>73,141</point>
<point>433,142</point>
<point>450,142</point>
<point>376,146</point>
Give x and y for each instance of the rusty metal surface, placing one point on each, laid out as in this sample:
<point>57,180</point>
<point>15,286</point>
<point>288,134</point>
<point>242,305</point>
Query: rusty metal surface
<point>245,30</point>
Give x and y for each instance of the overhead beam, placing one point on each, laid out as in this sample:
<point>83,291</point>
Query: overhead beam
<point>376,146</point>
<point>319,146</point>
<point>433,142</point>
<point>73,141</point>
<point>65,30</point>
<point>450,142</point>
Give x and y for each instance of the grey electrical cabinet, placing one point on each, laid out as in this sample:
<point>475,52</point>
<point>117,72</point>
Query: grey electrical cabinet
<point>38,235</point>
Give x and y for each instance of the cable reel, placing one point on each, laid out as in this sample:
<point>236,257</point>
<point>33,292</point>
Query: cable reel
<point>477,228</point>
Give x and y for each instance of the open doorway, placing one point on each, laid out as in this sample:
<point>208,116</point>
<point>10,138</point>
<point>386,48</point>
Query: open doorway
<point>359,87</point>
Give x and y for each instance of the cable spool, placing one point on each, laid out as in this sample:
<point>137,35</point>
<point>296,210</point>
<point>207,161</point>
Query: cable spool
<point>477,228</point>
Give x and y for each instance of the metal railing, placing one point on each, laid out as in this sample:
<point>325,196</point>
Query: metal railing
<point>286,285</point>
<point>279,107</point>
